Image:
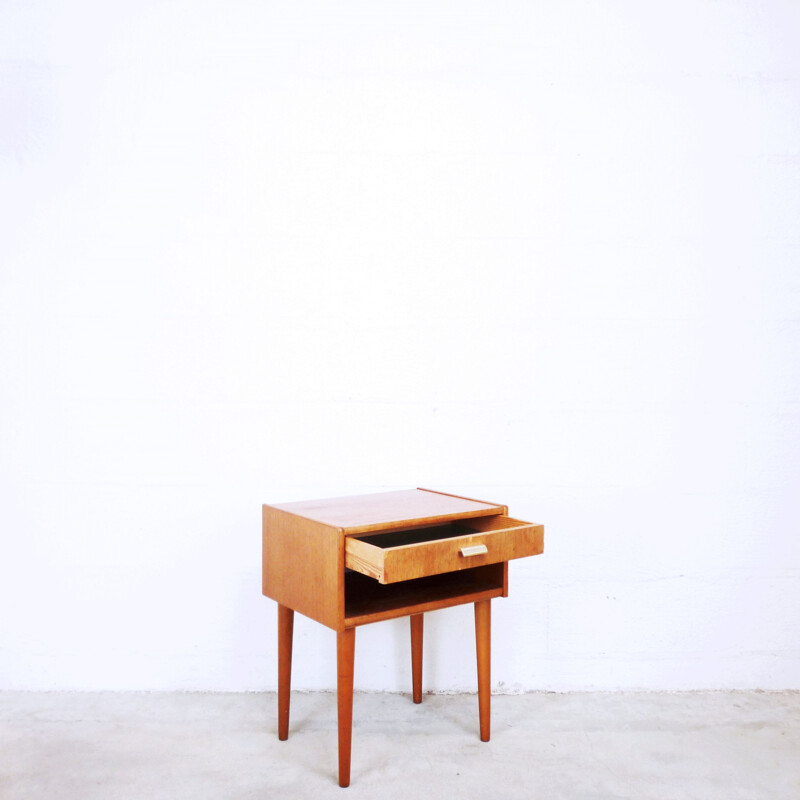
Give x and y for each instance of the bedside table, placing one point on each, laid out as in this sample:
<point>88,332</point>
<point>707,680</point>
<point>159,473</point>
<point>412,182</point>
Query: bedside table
<point>348,561</point>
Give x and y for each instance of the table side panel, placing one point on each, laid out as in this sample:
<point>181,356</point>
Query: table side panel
<point>303,566</point>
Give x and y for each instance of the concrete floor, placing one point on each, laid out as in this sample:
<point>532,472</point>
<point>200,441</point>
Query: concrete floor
<point>700,745</point>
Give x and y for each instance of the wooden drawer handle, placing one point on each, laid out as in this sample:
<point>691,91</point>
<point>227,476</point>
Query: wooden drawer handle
<point>474,550</point>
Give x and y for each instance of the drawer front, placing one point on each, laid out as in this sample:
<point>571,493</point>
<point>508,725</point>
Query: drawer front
<point>475,542</point>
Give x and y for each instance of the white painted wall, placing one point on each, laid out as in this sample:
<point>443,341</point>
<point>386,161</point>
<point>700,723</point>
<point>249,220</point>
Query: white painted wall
<point>540,253</point>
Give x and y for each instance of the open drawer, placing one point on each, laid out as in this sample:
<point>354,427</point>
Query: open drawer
<point>414,553</point>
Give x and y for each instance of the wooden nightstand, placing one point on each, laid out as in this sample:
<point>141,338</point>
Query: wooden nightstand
<point>347,561</point>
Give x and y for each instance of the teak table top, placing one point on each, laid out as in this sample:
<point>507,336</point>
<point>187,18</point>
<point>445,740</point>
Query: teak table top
<point>382,511</point>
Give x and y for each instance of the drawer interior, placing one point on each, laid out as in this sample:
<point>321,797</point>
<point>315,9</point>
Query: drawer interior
<point>431,533</point>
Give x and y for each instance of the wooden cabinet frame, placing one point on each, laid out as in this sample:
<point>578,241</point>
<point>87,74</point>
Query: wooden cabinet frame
<point>350,561</point>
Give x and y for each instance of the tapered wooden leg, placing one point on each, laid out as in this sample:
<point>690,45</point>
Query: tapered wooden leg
<point>483,642</point>
<point>416,656</point>
<point>345,653</point>
<point>285,631</point>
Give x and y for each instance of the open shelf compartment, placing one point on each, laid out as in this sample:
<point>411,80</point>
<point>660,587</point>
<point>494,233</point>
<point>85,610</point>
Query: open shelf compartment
<point>366,600</point>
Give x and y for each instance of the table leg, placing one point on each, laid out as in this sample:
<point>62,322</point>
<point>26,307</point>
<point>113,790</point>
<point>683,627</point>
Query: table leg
<point>345,653</point>
<point>416,655</point>
<point>285,630</point>
<point>483,642</point>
